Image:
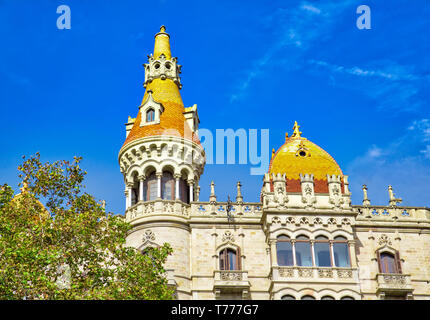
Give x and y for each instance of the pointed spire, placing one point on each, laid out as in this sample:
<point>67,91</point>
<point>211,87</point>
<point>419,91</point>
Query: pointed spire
<point>296,133</point>
<point>273,153</point>
<point>286,136</point>
<point>162,44</point>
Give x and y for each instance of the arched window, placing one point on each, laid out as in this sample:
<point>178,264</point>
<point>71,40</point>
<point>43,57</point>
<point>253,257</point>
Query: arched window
<point>303,251</point>
<point>288,297</point>
<point>167,186</point>
<point>184,191</point>
<point>327,298</point>
<point>151,187</point>
<point>229,259</point>
<point>322,252</point>
<point>284,251</point>
<point>150,115</point>
<point>308,298</point>
<point>341,252</point>
<point>389,263</point>
<point>347,298</point>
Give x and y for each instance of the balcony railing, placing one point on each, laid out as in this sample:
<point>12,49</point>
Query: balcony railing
<point>230,278</point>
<point>394,282</point>
<point>315,274</point>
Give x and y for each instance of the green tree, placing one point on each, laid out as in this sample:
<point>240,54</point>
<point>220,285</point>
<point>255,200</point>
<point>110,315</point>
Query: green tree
<point>70,248</point>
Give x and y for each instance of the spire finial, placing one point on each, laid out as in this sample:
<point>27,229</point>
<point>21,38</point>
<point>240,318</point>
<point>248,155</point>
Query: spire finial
<point>366,201</point>
<point>393,200</point>
<point>239,197</point>
<point>273,152</point>
<point>212,196</point>
<point>296,133</point>
<point>162,44</point>
<point>286,136</point>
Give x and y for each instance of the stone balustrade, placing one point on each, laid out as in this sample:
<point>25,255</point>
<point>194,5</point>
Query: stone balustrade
<point>220,208</point>
<point>314,274</point>
<point>394,282</point>
<point>391,213</point>
<point>157,207</point>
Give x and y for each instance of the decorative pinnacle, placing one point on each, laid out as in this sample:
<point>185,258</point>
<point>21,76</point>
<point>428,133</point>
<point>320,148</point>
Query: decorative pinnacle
<point>393,200</point>
<point>286,136</point>
<point>163,28</point>
<point>366,201</point>
<point>296,133</point>
<point>273,152</point>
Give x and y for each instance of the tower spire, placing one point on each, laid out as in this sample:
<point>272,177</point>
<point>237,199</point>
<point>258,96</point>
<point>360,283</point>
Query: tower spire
<point>162,44</point>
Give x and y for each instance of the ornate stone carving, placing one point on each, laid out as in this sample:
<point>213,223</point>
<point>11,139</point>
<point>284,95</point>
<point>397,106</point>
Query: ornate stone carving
<point>230,276</point>
<point>305,272</point>
<point>384,240</point>
<point>276,220</point>
<point>148,236</point>
<point>228,237</point>
<point>344,273</point>
<point>286,272</point>
<point>325,273</point>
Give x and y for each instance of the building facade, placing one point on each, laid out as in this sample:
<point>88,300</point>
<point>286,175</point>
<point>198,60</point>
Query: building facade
<point>304,240</point>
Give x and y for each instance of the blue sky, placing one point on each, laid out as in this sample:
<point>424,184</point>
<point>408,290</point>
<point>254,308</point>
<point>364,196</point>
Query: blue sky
<point>362,95</point>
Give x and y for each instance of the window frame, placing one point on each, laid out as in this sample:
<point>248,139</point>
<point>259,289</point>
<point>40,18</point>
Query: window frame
<point>224,262</point>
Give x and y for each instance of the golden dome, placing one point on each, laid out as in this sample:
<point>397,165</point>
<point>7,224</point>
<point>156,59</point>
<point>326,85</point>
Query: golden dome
<point>300,156</point>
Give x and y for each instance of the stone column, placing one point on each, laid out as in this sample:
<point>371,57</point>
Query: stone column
<point>141,180</point>
<point>313,252</point>
<point>293,245</point>
<point>273,253</point>
<point>351,247</point>
<point>128,194</point>
<point>332,254</point>
<point>191,186</point>
<point>177,177</point>
<point>198,193</point>
<point>159,175</point>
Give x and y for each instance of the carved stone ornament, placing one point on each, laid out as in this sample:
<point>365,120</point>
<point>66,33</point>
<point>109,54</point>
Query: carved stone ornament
<point>148,236</point>
<point>384,240</point>
<point>228,237</point>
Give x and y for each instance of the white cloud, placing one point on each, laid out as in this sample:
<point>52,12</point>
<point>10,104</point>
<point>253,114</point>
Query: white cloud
<point>298,27</point>
<point>403,163</point>
<point>391,85</point>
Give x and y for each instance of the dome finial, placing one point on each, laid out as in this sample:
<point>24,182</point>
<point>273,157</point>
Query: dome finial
<point>163,28</point>
<point>296,133</point>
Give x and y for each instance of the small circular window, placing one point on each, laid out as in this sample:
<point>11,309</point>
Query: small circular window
<point>167,65</point>
<point>302,154</point>
<point>157,66</point>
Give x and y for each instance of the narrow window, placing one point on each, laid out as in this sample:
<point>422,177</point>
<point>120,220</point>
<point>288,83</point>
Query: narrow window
<point>151,187</point>
<point>322,252</point>
<point>303,252</point>
<point>229,260</point>
<point>347,298</point>
<point>327,298</point>
<point>341,252</point>
<point>167,186</point>
<point>150,115</point>
<point>389,263</point>
<point>284,251</point>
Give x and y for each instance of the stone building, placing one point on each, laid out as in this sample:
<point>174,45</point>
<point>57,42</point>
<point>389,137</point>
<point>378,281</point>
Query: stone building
<point>304,240</point>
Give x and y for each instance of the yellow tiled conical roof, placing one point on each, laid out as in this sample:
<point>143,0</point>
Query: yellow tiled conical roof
<point>166,92</point>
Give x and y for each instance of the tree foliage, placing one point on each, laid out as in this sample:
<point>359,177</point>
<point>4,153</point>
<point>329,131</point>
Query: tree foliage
<point>70,248</point>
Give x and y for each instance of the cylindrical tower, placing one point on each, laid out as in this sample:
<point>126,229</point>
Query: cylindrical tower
<point>162,160</point>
